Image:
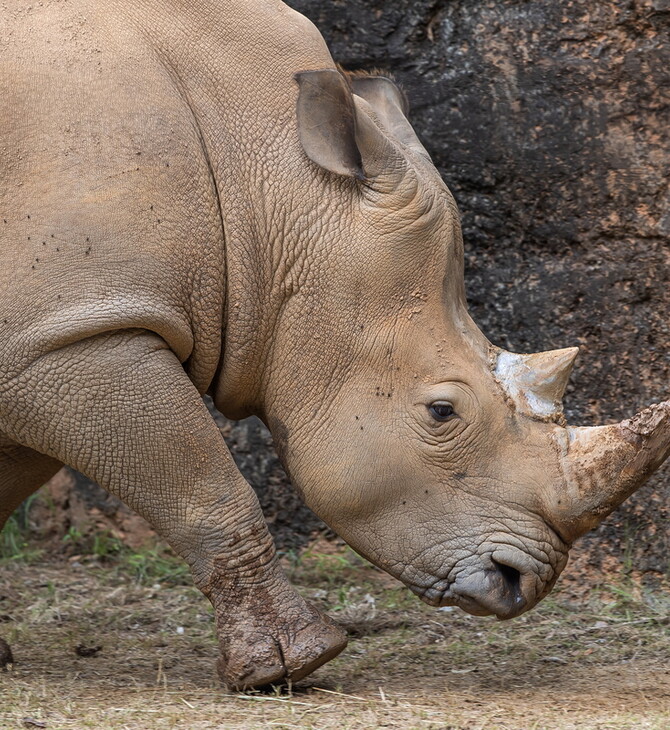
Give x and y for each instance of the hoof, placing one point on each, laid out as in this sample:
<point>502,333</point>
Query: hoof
<point>289,654</point>
<point>314,647</point>
<point>6,657</point>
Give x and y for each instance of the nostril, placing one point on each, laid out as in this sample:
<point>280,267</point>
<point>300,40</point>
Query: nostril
<point>496,587</point>
<point>511,576</point>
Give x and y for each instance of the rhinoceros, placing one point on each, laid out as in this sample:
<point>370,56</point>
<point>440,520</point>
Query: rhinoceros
<point>196,199</point>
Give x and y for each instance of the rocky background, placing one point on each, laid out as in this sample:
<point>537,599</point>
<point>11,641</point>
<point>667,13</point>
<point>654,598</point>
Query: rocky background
<point>550,122</point>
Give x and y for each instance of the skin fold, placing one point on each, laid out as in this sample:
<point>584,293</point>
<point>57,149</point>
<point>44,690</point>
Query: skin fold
<point>194,199</point>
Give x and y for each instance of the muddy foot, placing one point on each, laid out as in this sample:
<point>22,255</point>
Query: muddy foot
<point>272,647</point>
<point>6,657</point>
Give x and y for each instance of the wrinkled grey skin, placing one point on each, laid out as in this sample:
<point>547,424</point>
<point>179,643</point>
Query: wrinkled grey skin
<point>185,208</point>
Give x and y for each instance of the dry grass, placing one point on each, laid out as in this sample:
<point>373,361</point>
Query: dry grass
<point>602,664</point>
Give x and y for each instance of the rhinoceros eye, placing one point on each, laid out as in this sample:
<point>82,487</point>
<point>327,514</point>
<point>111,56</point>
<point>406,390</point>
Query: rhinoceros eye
<point>441,410</point>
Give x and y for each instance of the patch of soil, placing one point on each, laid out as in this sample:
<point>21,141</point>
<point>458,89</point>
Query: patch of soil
<point>603,665</point>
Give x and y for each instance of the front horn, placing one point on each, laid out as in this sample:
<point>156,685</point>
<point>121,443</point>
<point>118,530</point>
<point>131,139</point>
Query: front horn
<point>604,465</point>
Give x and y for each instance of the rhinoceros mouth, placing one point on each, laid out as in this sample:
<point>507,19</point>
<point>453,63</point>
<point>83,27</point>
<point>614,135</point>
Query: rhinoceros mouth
<point>437,598</point>
<point>505,584</point>
<point>486,603</point>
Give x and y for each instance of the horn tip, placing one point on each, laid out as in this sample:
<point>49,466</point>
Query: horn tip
<point>569,354</point>
<point>652,419</point>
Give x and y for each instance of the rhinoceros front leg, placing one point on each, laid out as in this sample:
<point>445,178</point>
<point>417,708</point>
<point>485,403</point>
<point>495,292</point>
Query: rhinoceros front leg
<point>120,408</point>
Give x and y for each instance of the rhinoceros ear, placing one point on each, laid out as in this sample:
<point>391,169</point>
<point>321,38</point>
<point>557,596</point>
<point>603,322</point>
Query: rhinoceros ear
<point>390,104</point>
<point>327,122</point>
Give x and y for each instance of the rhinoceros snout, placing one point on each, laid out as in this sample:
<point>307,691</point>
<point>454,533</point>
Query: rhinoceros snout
<point>495,590</point>
<point>501,587</point>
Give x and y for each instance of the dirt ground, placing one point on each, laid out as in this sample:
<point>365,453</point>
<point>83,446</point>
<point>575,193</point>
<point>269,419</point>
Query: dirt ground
<point>120,639</point>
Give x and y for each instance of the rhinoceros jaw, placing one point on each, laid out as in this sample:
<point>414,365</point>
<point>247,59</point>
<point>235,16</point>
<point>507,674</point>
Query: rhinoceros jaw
<point>536,382</point>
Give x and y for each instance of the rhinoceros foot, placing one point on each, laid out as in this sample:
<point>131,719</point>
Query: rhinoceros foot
<point>6,658</point>
<point>262,645</point>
